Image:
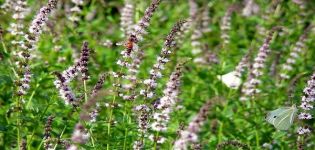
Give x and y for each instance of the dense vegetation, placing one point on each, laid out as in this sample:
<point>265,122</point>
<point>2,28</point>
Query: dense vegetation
<point>160,74</point>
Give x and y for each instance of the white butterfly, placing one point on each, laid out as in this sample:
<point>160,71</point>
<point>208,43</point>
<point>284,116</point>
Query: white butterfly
<point>282,118</point>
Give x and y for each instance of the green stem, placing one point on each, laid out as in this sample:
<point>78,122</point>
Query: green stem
<point>18,122</point>
<point>31,97</point>
<point>125,138</point>
<point>155,141</point>
<point>220,132</point>
<point>85,91</point>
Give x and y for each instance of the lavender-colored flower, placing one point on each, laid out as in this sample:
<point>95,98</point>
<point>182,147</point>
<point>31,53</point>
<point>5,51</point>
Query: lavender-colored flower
<point>189,135</point>
<point>63,79</point>
<point>98,85</point>
<point>75,10</point>
<point>24,84</point>
<point>41,18</point>
<point>64,89</point>
<point>80,134</point>
<point>83,61</point>
<point>30,43</point>
<point>307,105</point>
<point>132,55</point>
<point>155,72</point>
<point>193,9</point>
<point>47,136</point>
<point>143,112</point>
<point>17,27</point>
<point>144,22</point>
<point>294,55</point>
<point>250,86</point>
<point>303,131</point>
<point>165,105</point>
<point>138,145</point>
<point>226,24</point>
<point>205,20</point>
<point>250,8</point>
<point>7,5</point>
<point>126,19</point>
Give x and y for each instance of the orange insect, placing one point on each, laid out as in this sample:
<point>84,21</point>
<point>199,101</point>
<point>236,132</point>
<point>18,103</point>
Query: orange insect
<point>129,44</point>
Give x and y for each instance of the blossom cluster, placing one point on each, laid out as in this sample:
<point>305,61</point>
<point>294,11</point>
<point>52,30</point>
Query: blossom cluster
<point>63,79</point>
<point>75,10</point>
<point>16,28</point>
<point>250,8</point>
<point>294,55</point>
<point>143,24</point>
<point>41,18</point>
<point>226,24</point>
<point>47,135</point>
<point>307,104</point>
<point>31,41</point>
<point>164,106</point>
<point>80,135</point>
<point>250,86</point>
<point>155,72</point>
<point>143,112</point>
<point>189,135</point>
<point>83,61</point>
<point>199,24</point>
<point>132,55</point>
<point>126,19</point>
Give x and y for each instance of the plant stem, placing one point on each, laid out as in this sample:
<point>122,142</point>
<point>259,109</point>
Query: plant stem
<point>85,91</point>
<point>155,140</point>
<point>18,122</point>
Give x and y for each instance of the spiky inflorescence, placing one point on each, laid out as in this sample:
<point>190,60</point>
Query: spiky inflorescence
<point>307,104</point>
<point>32,38</point>
<point>17,27</point>
<point>143,112</point>
<point>250,8</point>
<point>7,5</point>
<point>132,55</point>
<point>83,61</point>
<point>75,10</point>
<point>63,80</point>
<point>166,51</point>
<point>164,107</point>
<point>62,84</point>
<point>205,20</point>
<point>193,9</point>
<point>141,27</point>
<point>294,55</point>
<point>47,135</point>
<point>126,18</point>
<point>226,24</point>
<point>98,85</point>
<point>252,82</point>
<point>80,135</point>
<point>189,135</point>
<point>41,18</point>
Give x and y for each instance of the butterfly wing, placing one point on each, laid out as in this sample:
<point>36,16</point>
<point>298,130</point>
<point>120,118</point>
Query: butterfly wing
<point>285,121</point>
<point>274,115</point>
<point>282,118</point>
